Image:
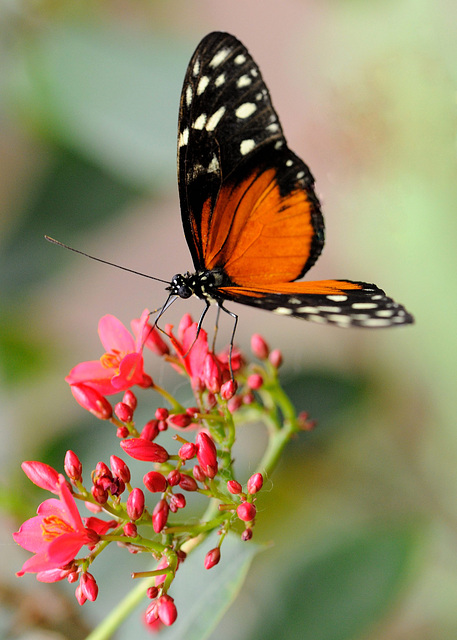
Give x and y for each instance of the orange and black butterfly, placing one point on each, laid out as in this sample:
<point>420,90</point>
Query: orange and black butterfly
<point>251,217</point>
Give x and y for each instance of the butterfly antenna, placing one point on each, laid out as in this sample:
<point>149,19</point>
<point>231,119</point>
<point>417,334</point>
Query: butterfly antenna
<point>111,264</point>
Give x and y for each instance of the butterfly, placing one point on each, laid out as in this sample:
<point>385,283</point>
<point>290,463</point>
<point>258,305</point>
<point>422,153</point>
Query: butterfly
<point>250,213</point>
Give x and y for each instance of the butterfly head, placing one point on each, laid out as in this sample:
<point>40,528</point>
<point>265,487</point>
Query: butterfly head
<point>181,286</point>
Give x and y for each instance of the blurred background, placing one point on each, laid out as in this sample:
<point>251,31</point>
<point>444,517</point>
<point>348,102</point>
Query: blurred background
<point>362,513</point>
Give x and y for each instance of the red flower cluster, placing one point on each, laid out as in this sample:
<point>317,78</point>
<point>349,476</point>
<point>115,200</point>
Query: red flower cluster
<point>202,463</point>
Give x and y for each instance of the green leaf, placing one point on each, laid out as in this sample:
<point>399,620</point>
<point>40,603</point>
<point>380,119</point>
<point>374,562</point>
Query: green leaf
<point>343,592</point>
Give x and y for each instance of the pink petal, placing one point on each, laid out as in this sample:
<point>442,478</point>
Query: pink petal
<point>52,575</point>
<point>93,373</point>
<point>73,517</point>
<point>30,535</point>
<point>64,548</point>
<point>142,330</point>
<point>114,335</point>
<point>38,562</point>
<point>130,372</point>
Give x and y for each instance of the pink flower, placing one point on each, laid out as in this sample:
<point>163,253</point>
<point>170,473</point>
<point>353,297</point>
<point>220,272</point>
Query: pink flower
<point>55,535</point>
<point>121,366</point>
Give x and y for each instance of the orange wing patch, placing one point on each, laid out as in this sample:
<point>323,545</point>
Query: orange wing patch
<point>258,236</point>
<point>316,287</point>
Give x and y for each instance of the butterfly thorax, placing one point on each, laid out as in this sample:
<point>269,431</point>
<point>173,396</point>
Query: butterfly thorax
<point>203,284</point>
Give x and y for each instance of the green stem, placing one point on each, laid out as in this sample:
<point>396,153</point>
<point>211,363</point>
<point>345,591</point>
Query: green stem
<point>121,612</point>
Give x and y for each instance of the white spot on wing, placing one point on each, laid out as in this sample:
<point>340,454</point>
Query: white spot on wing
<point>200,121</point>
<point>202,84</point>
<point>220,80</point>
<point>243,81</point>
<point>289,163</point>
<point>184,137</point>
<point>213,168</point>
<point>273,127</point>
<point>254,73</point>
<point>188,95</point>
<point>376,322</point>
<point>337,298</point>
<point>294,300</point>
<point>247,146</point>
<point>283,311</point>
<point>240,59</point>
<point>245,110</point>
<point>196,69</point>
<point>307,310</point>
<point>321,319</point>
<point>329,309</point>
<point>219,57</point>
<point>214,119</point>
<point>364,305</point>
<point>385,313</point>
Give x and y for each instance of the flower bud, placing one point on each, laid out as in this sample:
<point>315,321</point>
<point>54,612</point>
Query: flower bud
<point>88,586</point>
<point>155,482</point>
<point>130,399</point>
<point>246,535</point>
<point>123,412</point>
<point>192,411</point>
<point>228,389</point>
<point>130,530</point>
<point>145,450</point>
<point>166,610</point>
<point>99,494</point>
<point>211,373</point>
<point>155,343</point>
<point>80,597</point>
<point>120,469</point>
<point>160,515</point>
<point>173,478</point>
<point>180,420</point>
<point>187,483</point>
<point>92,400</point>
<point>259,347</point>
<point>206,454</point>
<point>234,487</point>
<point>135,504</point>
<point>275,358</point>
<point>198,474</point>
<point>122,432</point>
<point>152,592</point>
<point>255,381</point>
<point>73,467</point>
<point>246,511</point>
<point>255,483</point>
<point>150,430</point>
<point>102,471</point>
<point>234,404</point>
<point>212,558</point>
<point>248,398</point>
<point>42,475</point>
<point>162,413</point>
<point>187,451</point>
<point>178,500</point>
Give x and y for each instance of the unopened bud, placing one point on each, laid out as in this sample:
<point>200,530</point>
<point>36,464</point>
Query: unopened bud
<point>162,413</point>
<point>255,381</point>
<point>212,558</point>
<point>155,482</point>
<point>259,347</point>
<point>246,535</point>
<point>160,515</point>
<point>187,451</point>
<point>180,420</point>
<point>206,454</point>
<point>178,500</point>
<point>275,358</point>
<point>187,483</point>
<point>173,478</point>
<point>246,511</point>
<point>135,504</point>
<point>255,483</point>
<point>73,466</point>
<point>92,400</point>
<point>130,530</point>
<point>145,450</point>
<point>123,412</point>
<point>150,430</point>
<point>228,389</point>
<point>130,399</point>
<point>166,610</point>
<point>234,487</point>
<point>120,469</point>
<point>89,587</point>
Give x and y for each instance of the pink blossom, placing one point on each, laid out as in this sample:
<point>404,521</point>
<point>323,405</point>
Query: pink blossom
<point>55,535</point>
<point>121,366</point>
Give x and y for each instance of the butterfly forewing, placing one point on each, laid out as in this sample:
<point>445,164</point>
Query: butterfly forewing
<point>235,169</point>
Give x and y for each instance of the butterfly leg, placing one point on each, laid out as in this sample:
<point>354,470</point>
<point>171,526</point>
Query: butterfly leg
<point>232,338</point>
<point>199,326</point>
<point>216,327</point>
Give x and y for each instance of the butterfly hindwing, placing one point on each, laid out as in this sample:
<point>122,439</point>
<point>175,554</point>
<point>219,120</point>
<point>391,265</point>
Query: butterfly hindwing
<point>343,303</point>
<point>232,156</point>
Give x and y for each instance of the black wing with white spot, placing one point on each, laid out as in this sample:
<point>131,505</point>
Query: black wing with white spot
<point>227,129</point>
<point>339,302</point>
